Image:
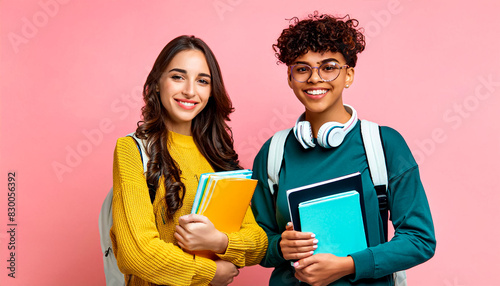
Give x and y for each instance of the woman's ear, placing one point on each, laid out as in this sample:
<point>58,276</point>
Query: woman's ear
<point>349,79</point>
<point>289,74</point>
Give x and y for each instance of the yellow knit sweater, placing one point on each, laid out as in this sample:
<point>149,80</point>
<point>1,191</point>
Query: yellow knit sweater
<point>142,236</point>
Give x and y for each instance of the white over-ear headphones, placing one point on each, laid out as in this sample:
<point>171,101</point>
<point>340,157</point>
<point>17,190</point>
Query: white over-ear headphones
<point>330,134</point>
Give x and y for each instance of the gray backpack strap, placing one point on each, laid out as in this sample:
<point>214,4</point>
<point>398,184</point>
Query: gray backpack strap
<point>274,159</point>
<point>145,160</point>
<point>142,148</point>
<point>112,273</point>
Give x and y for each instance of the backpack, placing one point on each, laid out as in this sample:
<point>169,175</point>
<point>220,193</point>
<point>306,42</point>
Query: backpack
<point>113,275</point>
<point>372,143</point>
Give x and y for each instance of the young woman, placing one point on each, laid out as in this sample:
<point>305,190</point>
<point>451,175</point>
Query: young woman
<point>185,133</point>
<point>321,53</point>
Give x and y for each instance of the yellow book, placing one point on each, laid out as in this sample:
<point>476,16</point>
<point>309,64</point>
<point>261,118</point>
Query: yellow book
<point>227,201</point>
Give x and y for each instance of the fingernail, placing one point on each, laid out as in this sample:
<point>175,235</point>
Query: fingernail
<point>288,224</point>
<point>313,235</point>
<point>315,241</point>
<point>315,246</point>
<point>312,252</point>
<point>295,264</point>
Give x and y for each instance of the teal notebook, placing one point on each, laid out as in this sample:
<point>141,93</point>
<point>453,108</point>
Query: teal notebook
<point>337,222</point>
<point>204,182</point>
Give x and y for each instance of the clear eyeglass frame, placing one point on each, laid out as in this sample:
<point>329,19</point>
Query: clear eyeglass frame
<point>306,75</point>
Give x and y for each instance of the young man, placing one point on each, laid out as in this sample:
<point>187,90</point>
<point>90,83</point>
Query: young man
<point>321,53</point>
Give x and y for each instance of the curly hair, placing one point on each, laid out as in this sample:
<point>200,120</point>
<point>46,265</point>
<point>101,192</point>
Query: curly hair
<point>211,134</point>
<point>320,33</point>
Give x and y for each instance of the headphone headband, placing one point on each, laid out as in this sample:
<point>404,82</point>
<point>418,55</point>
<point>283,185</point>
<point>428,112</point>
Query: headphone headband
<point>330,134</point>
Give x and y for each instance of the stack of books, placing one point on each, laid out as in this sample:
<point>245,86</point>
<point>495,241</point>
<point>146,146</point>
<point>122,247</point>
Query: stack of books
<point>334,211</point>
<point>224,198</point>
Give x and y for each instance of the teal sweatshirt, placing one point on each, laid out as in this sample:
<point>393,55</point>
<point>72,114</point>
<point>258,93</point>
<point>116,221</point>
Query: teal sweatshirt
<point>414,240</point>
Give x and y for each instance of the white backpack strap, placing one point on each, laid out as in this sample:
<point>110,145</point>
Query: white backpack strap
<point>400,278</point>
<point>378,171</point>
<point>144,155</point>
<point>275,157</point>
<point>374,153</point>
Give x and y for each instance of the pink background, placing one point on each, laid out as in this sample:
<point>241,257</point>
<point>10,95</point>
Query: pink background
<point>71,74</point>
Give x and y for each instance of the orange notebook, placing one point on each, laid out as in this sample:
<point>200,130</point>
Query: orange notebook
<point>226,201</point>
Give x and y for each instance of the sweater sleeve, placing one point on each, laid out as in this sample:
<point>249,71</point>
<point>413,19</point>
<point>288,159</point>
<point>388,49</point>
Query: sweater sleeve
<point>139,250</point>
<point>414,240</point>
<point>247,246</point>
<point>263,209</point>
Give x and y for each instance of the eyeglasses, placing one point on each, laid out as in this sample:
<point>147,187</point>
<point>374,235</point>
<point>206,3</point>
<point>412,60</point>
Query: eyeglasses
<point>327,72</point>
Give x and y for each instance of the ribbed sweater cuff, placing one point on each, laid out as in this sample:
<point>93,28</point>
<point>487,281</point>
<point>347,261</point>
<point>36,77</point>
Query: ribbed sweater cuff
<point>205,270</point>
<point>235,251</point>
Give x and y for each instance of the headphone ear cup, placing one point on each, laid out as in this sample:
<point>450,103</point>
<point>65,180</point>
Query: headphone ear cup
<point>336,137</point>
<point>331,134</point>
<point>303,133</point>
<point>307,135</point>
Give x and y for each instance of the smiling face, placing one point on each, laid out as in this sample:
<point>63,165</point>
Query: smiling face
<point>185,88</point>
<point>322,100</point>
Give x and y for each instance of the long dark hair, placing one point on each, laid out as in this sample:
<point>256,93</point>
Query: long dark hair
<point>211,134</point>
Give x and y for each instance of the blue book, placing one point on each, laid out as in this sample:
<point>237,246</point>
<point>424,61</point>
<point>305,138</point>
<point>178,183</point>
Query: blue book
<point>351,182</point>
<point>337,222</point>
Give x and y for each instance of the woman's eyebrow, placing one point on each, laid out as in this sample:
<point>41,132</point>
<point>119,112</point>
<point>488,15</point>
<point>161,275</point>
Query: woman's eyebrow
<point>178,70</point>
<point>185,72</point>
